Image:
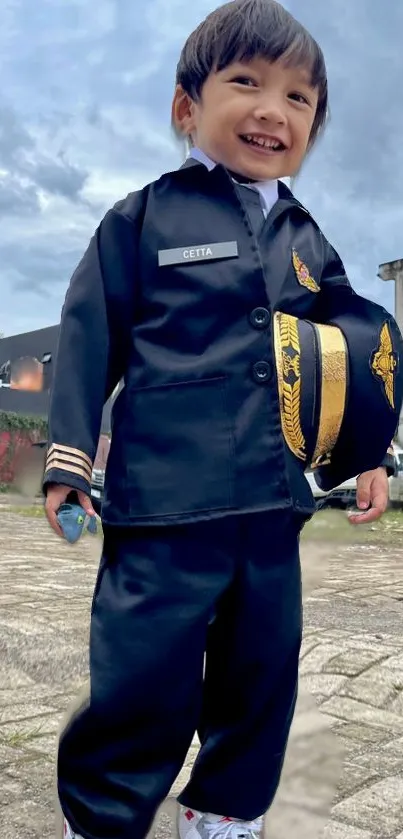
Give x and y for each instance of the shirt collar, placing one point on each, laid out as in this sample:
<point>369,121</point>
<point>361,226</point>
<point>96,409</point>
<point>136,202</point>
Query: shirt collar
<point>267,189</point>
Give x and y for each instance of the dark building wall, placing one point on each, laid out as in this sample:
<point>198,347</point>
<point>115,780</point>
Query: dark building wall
<point>27,345</point>
<point>33,345</point>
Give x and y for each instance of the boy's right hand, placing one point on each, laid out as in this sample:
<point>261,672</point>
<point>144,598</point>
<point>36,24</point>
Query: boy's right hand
<point>57,495</point>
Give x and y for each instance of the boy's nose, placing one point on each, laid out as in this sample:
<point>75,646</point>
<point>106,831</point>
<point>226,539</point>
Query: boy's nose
<point>270,111</point>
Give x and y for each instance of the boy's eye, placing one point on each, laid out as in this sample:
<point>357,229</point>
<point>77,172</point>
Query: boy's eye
<point>244,80</point>
<point>299,97</point>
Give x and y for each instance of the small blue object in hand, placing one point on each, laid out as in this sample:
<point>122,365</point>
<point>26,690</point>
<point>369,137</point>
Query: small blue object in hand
<point>72,519</point>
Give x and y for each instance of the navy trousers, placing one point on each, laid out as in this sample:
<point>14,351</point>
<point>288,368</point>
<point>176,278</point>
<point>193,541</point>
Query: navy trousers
<point>164,597</point>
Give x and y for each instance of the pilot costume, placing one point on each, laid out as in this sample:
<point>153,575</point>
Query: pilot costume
<point>246,355</point>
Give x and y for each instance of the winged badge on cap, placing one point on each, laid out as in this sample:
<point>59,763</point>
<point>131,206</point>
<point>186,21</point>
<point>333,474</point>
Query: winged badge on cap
<point>384,363</point>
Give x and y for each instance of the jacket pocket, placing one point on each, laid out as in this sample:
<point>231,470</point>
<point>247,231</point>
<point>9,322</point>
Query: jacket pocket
<point>175,449</point>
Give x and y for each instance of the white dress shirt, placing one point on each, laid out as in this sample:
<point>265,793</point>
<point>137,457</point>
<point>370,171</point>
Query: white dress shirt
<point>268,190</point>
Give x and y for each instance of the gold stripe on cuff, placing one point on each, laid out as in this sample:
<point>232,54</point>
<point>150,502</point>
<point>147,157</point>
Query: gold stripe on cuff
<point>57,447</point>
<point>64,459</point>
<point>80,471</point>
<point>69,458</point>
<point>333,362</point>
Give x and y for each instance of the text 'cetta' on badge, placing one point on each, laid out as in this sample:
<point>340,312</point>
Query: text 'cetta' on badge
<point>197,253</point>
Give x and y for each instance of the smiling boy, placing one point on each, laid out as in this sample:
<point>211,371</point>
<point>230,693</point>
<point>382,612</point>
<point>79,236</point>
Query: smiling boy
<point>203,506</point>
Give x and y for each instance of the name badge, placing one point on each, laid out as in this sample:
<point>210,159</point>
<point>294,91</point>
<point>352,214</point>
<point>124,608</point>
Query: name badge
<point>197,253</point>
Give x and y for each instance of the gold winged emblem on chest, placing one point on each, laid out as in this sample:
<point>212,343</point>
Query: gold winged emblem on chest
<point>384,363</point>
<point>302,273</point>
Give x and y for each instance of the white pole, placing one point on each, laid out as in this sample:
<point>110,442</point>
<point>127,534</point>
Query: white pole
<point>394,271</point>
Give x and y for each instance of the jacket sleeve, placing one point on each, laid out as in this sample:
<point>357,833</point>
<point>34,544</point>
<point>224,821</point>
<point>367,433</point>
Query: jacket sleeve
<point>335,295</point>
<point>336,291</point>
<point>94,341</point>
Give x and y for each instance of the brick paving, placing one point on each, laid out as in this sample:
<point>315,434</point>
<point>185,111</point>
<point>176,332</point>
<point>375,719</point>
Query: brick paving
<point>351,668</point>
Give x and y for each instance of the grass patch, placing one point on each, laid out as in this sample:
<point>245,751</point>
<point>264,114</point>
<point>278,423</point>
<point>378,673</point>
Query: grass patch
<point>333,526</point>
<point>34,511</point>
<point>20,738</point>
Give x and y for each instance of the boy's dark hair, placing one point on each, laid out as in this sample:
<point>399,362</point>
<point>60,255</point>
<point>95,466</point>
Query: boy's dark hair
<point>245,29</point>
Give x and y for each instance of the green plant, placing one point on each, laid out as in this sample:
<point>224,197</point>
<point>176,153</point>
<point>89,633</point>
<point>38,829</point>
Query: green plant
<point>19,422</point>
<point>17,432</point>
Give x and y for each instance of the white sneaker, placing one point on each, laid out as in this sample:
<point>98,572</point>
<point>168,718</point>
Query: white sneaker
<point>68,833</point>
<point>195,825</point>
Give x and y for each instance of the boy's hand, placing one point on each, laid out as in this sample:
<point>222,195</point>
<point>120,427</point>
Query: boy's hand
<point>56,495</point>
<point>372,496</point>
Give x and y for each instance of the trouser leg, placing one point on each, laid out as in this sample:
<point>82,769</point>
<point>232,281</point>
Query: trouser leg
<point>154,597</point>
<point>251,673</point>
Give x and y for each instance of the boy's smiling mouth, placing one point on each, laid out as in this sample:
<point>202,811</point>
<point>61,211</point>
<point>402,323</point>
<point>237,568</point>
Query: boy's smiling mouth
<point>263,143</point>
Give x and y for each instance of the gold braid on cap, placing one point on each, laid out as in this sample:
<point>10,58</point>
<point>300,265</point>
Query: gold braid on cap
<point>334,365</point>
<point>288,355</point>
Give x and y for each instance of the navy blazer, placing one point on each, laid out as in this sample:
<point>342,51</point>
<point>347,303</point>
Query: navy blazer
<point>176,294</point>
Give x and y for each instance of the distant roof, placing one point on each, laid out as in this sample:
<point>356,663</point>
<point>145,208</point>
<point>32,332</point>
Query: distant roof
<point>45,329</point>
<point>34,343</point>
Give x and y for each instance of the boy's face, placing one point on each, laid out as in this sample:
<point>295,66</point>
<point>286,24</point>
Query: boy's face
<point>255,118</point>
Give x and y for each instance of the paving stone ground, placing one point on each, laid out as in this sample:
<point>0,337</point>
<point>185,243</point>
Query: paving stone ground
<point>351,668</point>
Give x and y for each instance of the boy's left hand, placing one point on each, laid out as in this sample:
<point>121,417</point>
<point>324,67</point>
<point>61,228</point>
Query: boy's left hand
<point>372,496</point>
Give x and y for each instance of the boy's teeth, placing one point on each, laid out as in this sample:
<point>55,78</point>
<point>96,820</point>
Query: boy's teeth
<point>268,144</point>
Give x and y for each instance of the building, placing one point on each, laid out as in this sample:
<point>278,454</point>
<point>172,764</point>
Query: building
<point>26,372</point>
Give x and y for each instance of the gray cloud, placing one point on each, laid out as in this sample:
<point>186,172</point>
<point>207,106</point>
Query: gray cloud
<point>17,199</point>
<point>36,266</point>
<point>22,155</point>
<point>59,178</point>
<point>85,113</point>
<point>14,138</point>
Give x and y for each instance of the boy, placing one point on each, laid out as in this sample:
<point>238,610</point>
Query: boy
<point>202,514</point>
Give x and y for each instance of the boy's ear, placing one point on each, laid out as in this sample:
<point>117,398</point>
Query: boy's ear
<point>182,113</point>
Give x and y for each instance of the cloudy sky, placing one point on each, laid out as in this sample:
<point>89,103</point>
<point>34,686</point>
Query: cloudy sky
<point>84,118</point>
